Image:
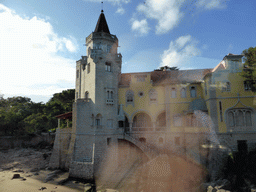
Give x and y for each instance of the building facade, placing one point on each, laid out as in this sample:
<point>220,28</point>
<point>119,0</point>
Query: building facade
<point>163,111</point>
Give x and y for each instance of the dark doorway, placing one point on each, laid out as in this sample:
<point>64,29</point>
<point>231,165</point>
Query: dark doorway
<point>242,146</point>
<point>142,139</point>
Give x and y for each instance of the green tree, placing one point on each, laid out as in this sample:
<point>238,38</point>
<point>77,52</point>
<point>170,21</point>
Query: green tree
<point>19,115</point>
<point>249,71</point>
<point>167,68</point>
<point>60,103</point>
<point>36,123</point>
<point>65,99</point>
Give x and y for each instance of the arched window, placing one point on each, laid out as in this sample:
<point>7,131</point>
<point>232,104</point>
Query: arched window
<point>129,96</point>
<point>183,93</point>
<point>96,46</point>
<point>248,118</point>
<point>141,122</point>
<point>108,66</point>
<point>142,139</point>
<point>109,97</point>
<point>153,95</point>
<point>98,120</point>
<point>108,48</point>
<point>174,95</point>
<point>161,120</point>
<point>231,119</point>
<point>240,119</point>
<point>88,68</point>
<point>193,92</point>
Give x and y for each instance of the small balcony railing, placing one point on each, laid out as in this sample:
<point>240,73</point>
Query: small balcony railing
<point>110,101</point>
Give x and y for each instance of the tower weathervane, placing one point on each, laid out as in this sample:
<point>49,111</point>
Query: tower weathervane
<point>102,6</point>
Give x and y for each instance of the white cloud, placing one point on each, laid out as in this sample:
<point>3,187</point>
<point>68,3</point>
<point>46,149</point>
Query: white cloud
<point>140,26</point>
<point>120,10</point>
<point>166,12</point>
<point>179,52</point>
<point>70,45</point>
<point>29,56</point>
<point>211,4</point>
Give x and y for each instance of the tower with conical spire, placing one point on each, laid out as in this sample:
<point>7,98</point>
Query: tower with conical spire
<point>95,110</point>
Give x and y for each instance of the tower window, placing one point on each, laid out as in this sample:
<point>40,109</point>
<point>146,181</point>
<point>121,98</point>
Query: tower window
<point>108,66</point>
<point>108,141</point>
<point>77,74</point>
<point>109,96</point>
<point>97,46</point>
<point>98,120</point>
<point>108,48</point>
<point>88,68</point>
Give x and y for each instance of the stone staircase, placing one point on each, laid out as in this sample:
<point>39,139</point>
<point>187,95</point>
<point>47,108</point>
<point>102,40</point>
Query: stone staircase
<point>124,176</point>
<point>150,150</point>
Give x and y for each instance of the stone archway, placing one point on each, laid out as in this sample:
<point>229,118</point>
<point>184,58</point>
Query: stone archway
<point>142,122</point>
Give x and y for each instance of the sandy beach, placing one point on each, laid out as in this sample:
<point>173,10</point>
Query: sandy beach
<point>31,168</point>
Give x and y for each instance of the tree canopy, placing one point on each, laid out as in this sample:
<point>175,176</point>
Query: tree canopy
<point>19,115</point>
<point>167,68</point>
<point>249,72</point>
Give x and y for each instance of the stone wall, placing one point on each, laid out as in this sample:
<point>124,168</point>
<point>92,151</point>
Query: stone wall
<point>7,142</point>
<point>60,149</point>
<point>81,170</point>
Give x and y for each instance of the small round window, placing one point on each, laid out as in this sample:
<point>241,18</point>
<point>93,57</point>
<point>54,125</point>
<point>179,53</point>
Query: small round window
<point>141,94</point>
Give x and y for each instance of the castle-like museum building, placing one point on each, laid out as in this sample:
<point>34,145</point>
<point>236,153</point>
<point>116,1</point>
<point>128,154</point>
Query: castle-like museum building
<point>156,112</point>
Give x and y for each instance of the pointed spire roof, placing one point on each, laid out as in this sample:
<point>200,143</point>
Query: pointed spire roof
<point>102,25</point>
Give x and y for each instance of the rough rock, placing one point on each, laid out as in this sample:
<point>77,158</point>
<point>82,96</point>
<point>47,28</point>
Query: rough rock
<point>42,188</point>
<point>62,182</point>
<point>52,175</point>
<point>15,176</point>
<point>34,170</point>
<point>18,171</point>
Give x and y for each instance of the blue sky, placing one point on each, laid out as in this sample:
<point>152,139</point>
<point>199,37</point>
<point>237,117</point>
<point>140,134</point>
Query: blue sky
<point>41,40</point>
